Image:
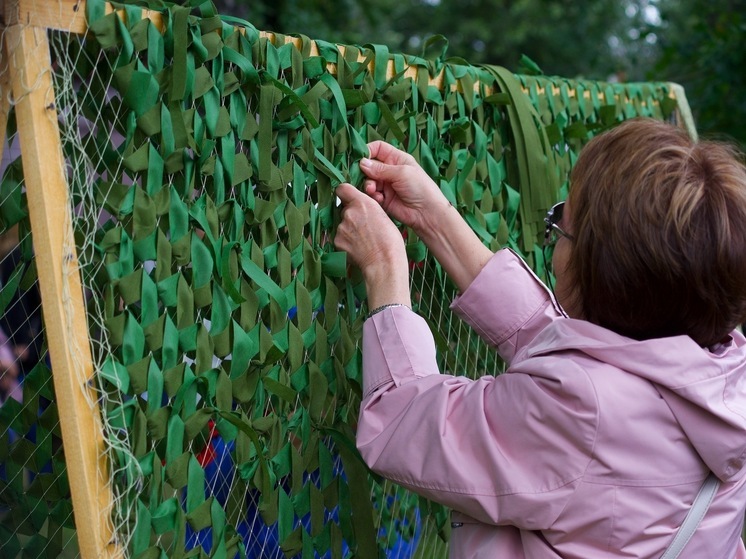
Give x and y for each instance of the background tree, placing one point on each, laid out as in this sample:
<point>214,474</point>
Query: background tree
<point>702,48</point>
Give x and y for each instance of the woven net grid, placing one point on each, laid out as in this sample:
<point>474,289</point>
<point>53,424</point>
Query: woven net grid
<point>202,159</point>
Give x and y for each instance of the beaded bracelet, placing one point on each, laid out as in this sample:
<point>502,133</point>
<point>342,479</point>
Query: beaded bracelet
<point>384,307</point>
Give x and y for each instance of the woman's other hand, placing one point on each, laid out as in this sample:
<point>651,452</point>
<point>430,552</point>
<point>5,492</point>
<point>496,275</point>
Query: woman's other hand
<point>375,244</point>
<point>407,193</point>
<point>397,182</point>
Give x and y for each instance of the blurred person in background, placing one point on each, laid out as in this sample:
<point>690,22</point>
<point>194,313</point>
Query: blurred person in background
<point>22,319</point>
<point>10,387</point>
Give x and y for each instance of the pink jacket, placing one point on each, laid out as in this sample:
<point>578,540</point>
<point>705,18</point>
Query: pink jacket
<point>592,445</point>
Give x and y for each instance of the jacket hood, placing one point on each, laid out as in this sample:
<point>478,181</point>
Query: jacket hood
<point>705,388</point>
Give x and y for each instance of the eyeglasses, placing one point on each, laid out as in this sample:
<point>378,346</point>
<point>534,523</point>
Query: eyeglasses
<point>551,234</point>
<point>553,217</point>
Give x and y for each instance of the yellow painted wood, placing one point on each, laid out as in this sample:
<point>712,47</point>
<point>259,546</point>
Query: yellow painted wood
<point>66,15</point>
<point>63,15</point>
<point>60,286</point>
<point>686,119</point>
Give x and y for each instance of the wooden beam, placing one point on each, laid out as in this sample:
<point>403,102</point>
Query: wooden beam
<point>684,112</point>
<point>63,15</point>
<point>67,15</point>
<point>60,286</point>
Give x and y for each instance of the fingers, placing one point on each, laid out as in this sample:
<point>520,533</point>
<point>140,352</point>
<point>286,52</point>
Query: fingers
<point>386,162</point>
<point>383,151</point>
<point>377,170</point>
<point>371,188</point>
<point>348,193</point>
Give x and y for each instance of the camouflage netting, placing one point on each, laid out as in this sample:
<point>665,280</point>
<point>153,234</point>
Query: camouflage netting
<point>225,327</point>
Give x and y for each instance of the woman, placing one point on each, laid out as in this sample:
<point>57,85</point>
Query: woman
<point>621,395</point>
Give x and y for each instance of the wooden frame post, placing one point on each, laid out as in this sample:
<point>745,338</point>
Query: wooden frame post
<point>27,52</point>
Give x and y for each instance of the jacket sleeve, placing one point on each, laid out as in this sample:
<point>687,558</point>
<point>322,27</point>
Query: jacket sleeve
<point>506,304</point>
<point>503,450</point>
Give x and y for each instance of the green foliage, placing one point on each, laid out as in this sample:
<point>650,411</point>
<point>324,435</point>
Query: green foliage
<point>702,42</point>
<point>337,21</point>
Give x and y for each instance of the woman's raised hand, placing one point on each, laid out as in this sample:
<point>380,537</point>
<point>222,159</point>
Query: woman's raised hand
<point>403,189</point>
<point>374,243</point>
<point>400,185</point>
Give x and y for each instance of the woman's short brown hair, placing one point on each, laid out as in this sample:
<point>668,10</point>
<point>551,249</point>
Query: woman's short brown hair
<point>659,223</point>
